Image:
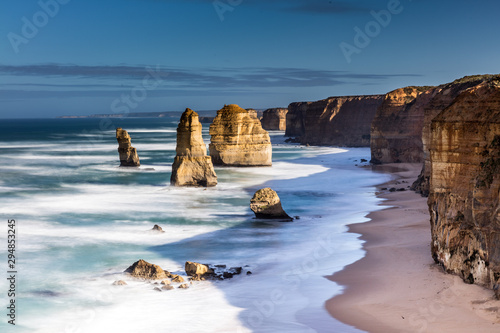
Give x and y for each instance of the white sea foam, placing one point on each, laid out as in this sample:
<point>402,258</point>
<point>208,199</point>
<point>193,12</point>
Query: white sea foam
<point>75,219</point>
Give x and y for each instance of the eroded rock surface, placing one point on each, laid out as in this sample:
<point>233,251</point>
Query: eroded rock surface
<point>144,270</point>
<point>338,121</point>
<point>440,98</point>
<point>396,133</point>
<point>464,168</point>
<point>266,204</point>
<point>192,166</point>
<point>128,154</point>
<point>238,139</point>
<point>274,119</point>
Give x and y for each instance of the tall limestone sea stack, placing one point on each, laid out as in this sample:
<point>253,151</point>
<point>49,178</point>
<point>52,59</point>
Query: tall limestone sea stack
<point>464,158</point>
<point>192,166</point>
<point>128,154</point>
<point>238,139</point>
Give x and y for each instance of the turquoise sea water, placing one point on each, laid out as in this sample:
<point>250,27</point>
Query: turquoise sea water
<point>82,220</point>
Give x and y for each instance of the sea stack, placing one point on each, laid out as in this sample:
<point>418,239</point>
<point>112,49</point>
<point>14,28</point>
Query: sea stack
<point>274,119</point>
<point>238,139</point>
<point>266,204</point>
<point>192,166</point>
<point>465,184</point>
<point>128,154</point>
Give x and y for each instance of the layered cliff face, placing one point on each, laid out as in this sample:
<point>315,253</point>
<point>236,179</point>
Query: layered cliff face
<point>338,121</point>
<point>440,98</point>
<point>238,139</point>
<point>128,154</point>
<point>464,172</point>
<point>274,119</point>
<point>396,133</point>
<point>192,166</point>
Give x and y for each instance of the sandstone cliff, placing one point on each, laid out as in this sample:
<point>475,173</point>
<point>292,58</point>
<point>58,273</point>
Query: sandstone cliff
<point>238,139</point>
<point>128,154</point>
<point>440,98</point>
<point>464,142</point>
<point>192,166</point>
<point>396,133</point>
<point>338,121</point>
<point>274,119</point>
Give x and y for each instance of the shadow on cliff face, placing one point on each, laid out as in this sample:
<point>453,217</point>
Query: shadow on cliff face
<point>269,248</point>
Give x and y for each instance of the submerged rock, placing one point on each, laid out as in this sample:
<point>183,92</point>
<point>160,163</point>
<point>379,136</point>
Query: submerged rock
<point>192,166</point>
<point>194,268</point>
<point>266,204</point>
<point>176,278</point>
<point>157,228</point>
<point>201,272</point>
<point>144,270</point>
<point>238,139</point>
<point>128,154</point>
<point>119,283</point>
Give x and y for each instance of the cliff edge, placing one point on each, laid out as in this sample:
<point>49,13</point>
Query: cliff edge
<point>464,169</point>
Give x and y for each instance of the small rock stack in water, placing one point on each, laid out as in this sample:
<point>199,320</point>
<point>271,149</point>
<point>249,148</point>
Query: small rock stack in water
<point>192,166</point>
<point>266,204</point>
<point>238,139</point>
<point>128,154</point>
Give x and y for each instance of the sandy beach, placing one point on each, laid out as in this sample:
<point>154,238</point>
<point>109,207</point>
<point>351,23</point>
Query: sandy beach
<point>397,287</point>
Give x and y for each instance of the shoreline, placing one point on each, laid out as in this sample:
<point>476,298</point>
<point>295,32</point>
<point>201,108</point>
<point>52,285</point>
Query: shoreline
<point>396,286</point>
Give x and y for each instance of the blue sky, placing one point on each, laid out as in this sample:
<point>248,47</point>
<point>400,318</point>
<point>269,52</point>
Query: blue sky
<point>76,57</point>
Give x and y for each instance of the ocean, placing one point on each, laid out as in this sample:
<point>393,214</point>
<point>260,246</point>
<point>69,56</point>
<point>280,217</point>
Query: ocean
<point>81,220</point>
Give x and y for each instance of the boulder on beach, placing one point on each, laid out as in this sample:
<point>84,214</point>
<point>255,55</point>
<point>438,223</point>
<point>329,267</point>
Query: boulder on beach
<point>266,204</point>
<point>192,166</point>
<point>144,270</point>
<point>128,154</point>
